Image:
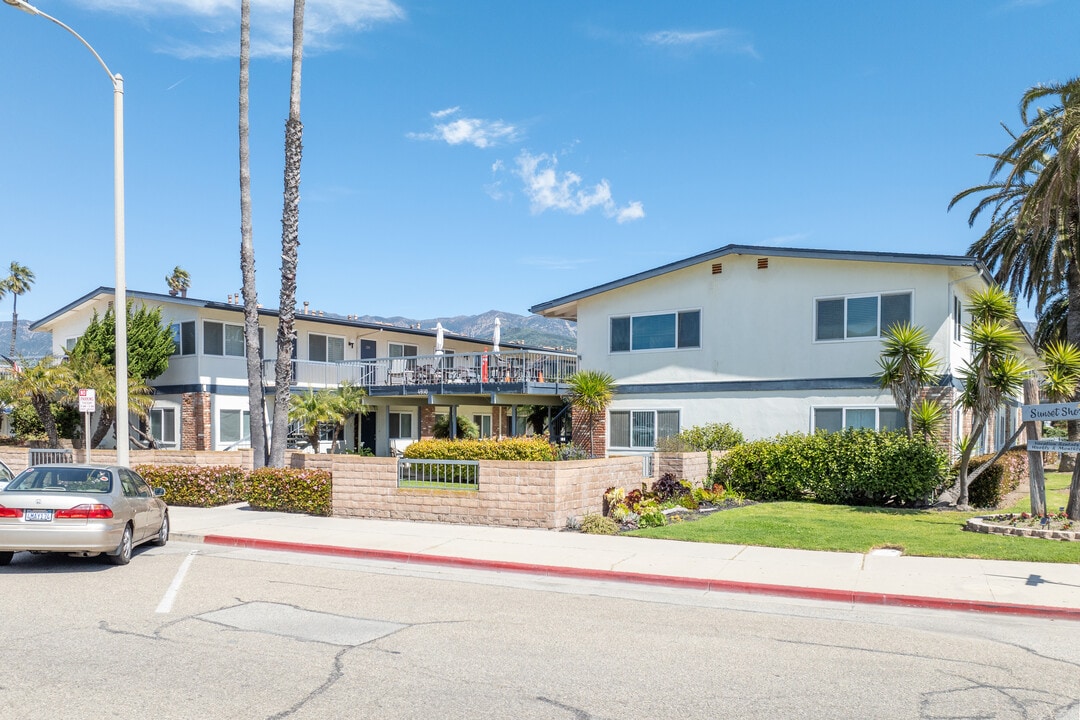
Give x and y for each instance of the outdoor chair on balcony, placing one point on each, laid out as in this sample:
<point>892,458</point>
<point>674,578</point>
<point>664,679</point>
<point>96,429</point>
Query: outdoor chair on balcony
<point>400,373</point>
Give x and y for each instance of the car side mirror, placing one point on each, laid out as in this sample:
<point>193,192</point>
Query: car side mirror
<point>159,492</point>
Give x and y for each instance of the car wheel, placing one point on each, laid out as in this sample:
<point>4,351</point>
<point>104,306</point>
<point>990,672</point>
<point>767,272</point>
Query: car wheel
<point>123,551</point>
<point>163,533</point>
<point>5,558</point>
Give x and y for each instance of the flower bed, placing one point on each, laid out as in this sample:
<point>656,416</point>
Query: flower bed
<point>1053,527</point>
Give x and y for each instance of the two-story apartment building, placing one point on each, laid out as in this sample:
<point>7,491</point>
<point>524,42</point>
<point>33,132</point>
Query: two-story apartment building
<point>771,340</point>
<point>201,401</point>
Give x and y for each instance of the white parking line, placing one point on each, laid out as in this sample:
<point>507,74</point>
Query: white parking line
<point>170,595</point>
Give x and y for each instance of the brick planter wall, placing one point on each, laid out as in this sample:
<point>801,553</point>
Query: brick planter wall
<point>16,458</point>
<point>692,466</point>
<point>514,494</point>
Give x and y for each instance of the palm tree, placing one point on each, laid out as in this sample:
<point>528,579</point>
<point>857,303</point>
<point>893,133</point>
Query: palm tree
<point>86,371</point>
<point>179,281</point>
<point>41,384</point>
<point>346,401</point>
<point>994,373</point>
<point>590,394</point>
<point>1033,241</point>
<point>17,283</point>
<point>290,241</point>
<point>907,366</point>
<point>247,255</point>
<point>311,409</point>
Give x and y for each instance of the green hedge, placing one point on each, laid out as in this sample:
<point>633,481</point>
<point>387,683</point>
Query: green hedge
<point>197,486</point>
<point>854,467</point>
<point>290,490</point>
<point>993,484</point>
<point>525,449</point>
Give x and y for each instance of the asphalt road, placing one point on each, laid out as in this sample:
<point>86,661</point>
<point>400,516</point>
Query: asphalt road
<point>193,631</point>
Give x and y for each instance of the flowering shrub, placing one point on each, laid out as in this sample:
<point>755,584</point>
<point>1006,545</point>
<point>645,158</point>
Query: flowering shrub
<point>290,490</point>
<point>989,489</point>
<point>195,486</point>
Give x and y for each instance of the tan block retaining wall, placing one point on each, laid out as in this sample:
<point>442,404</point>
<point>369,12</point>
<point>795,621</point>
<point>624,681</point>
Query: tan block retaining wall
<point>16,458</point>
<point>514,494</point>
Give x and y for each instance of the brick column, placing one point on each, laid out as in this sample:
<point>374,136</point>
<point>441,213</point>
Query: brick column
<point>596,444</point>
<point>196,432</point>
<point>498,420</point>
<point>427,422</point>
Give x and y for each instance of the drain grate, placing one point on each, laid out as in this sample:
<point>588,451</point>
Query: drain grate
<point>293,622</point>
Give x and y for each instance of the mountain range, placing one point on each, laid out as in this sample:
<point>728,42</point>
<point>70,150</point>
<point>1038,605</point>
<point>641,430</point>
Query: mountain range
<point>526,329</point>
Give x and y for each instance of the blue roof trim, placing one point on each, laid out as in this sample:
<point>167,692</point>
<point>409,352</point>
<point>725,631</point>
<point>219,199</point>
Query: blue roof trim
<point>857,255</point>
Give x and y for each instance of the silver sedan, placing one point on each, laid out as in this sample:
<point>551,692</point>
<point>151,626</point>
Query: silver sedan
<point>5,474</point>
<point>80,510</point>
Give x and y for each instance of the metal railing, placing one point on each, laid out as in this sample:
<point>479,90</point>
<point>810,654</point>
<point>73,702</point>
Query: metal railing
<point>438,474</point>
<point>48,456</point>
<point>508,366</point>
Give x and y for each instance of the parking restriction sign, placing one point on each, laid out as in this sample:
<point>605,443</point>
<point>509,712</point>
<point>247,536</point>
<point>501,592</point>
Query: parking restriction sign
<point>87,400</point>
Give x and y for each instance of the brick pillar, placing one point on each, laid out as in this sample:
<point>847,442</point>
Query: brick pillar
<point>427,422</point>
<point>498,420</point>
<point>195,428</point>
<point>596,445</point>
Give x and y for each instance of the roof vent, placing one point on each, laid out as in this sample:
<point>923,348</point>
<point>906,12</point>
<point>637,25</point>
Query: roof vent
<point>717,268</point>
<point>762,263</point>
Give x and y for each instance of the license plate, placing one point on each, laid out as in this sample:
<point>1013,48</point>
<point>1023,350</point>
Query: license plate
<point>38,515</point>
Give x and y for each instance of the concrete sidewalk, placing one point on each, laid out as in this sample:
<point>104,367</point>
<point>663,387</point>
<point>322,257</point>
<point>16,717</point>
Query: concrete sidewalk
<point>1049,590</point>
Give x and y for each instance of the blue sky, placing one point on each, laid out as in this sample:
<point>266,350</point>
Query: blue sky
<point>470,155</point>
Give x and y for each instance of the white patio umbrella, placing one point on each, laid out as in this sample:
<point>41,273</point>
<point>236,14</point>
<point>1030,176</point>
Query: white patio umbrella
<point>498,331</point>
<point>439,339</point>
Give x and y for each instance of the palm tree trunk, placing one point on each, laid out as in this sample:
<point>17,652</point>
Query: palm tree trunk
<point>247,255</point>
<point>1072,509</point>
<point>41,405</point>
<point>290,241</point>
<point>105,422</point>
<point>14,320</point>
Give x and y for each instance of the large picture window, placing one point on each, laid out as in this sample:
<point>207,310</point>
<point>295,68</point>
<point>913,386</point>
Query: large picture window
<point>839,418</point>
<point>223,339</point>
<point>863,316</point>
<point>662,331</point>
<point>640,429</point>
<point>326,348</point>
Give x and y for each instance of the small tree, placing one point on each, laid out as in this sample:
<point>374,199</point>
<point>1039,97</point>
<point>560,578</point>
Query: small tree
<point>590,394</point>
<point>179,281</point>
<point>995,372</point>
<point>907,366</point>
<point>39,384</point>
<point>346,401</point>
<point>311,409</point>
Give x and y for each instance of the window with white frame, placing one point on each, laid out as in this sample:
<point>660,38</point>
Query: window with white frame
<point>163,426</point>
<point>859,316</point>
<point>958,319</point>
<point>326,348</point>
<point>483,423</point>
<point>659,331</point>
<point>400,425</point>
<point>223,339</point>
<point>640,429</point>
<point>234,426</point>
<point>183,337</point>
<point>835,419</point>
<point>396,350</point>
<point>69,344</point>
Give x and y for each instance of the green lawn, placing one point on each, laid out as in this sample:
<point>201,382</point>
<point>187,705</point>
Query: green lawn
<point>1057,494</point>
<point>809,526</point>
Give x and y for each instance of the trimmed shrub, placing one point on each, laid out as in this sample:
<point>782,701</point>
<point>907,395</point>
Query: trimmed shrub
<point>710,436</point>
<point>290,490</point>
<point>194,486</point>
<point>854,467</point>
<point>599,525</point>
<point>995,482</point>
<point>523,449</point>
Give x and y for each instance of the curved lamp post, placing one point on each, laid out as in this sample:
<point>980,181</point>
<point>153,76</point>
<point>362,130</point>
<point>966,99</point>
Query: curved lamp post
<point>120,302</point>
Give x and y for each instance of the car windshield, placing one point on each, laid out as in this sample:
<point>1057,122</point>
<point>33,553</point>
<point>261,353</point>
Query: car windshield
<point>59,479</point>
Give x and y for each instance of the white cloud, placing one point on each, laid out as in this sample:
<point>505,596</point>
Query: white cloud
<point>548,190</point>
<point>217,23</point>
<point>473,131</point>
<point>721,39</point>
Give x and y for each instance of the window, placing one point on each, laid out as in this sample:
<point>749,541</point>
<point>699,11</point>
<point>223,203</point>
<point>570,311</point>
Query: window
<point>483,423</point>
<point>183,336</point>
<point>402,350</point>
<point>958,318</point>
<point>223,339</point>
<point>400,425</point>
<point>69,344</point>
<point>865,316</point>
<point>324,348</point>
<point>641,428</point>
<point>234,426</point>
<point>837,419</point>
<point>163,426</point>
<point>656,332</point>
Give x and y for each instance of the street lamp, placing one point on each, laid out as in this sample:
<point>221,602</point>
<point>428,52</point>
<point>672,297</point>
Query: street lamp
<point>120,301</point>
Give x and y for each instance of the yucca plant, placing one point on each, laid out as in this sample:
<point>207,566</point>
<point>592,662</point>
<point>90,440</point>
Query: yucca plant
<point>907,366</point>
<point>590,391</point>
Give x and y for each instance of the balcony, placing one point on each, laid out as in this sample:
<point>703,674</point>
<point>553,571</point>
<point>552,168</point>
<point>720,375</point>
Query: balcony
<point>508,371</point>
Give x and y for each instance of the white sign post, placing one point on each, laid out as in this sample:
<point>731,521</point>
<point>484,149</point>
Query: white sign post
<point>87,406</point>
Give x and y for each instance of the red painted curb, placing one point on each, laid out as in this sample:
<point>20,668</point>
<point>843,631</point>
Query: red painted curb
<point>808,593</point>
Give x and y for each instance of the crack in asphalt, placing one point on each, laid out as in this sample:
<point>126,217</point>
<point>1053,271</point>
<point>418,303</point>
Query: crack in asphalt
<point>578,713</point>
<point>889,652</point>
<point>336,673</point>
<point>1010,694</point>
